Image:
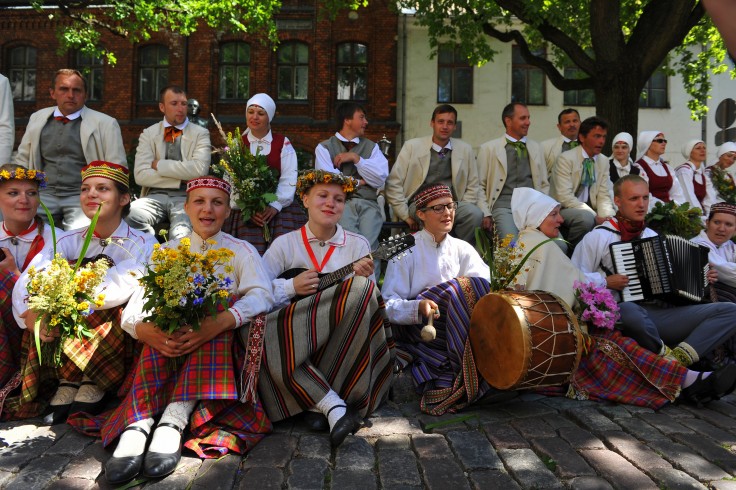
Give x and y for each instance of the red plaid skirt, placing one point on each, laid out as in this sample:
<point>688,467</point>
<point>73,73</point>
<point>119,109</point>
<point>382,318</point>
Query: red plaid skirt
<point>10,333</point>
<point>220,422</point>
<point>291,218</point>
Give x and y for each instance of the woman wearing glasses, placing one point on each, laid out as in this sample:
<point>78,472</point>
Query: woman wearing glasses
<point>442,274</point>
<point>663,184</point>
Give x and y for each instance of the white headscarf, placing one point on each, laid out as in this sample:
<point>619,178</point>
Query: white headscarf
<point>529,207</point>
<point>265,101</point>
<point>726,147</point>
<point>687,148</point>
<point>624,138</point>
<point>644,142</point>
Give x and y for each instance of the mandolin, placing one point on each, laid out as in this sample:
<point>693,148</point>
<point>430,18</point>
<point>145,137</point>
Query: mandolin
<point>392,248</point>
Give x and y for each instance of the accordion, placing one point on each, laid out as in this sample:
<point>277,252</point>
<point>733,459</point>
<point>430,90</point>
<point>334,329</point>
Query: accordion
<point>667,268</point>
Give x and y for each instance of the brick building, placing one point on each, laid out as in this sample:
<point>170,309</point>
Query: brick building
<point>317,64</point>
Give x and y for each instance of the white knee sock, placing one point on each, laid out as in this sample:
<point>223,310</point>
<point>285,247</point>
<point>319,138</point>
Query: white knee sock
<point>65,394</point>
<point>133,442</point>
<point>330,400</point>
<point>167,439</point>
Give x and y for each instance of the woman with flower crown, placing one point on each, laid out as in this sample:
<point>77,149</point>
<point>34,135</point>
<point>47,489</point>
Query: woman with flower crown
<point>191,367</point>
<point>92,367</point>
<point>330,354</point>
<point>22,236</point>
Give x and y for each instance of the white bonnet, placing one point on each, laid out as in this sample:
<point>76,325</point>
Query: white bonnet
<point>529,207</point>
<point>265,101</point>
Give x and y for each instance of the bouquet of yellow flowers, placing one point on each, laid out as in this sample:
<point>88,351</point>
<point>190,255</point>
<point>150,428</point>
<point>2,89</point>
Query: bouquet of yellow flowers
<point>723,184</point>
<point>183,286</point>
<point>253,180</point>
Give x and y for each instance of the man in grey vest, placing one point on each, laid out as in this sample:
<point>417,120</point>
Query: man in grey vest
<point>349,153</point>
<point>61,140</point>
<point>169,153</point>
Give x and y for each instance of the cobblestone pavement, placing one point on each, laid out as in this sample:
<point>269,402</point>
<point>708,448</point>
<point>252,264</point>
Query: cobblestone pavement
<point>528,442</point>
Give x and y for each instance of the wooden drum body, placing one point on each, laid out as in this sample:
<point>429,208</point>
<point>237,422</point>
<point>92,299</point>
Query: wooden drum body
<point>525,339</point>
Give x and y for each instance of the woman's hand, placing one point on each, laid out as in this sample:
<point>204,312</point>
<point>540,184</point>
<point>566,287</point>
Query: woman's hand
<point>712,274</point>
<point>306,283</point>
<point>8,263</point>
<point>363,267</point>
<point>427,307</point>
<point>168,345</point>
<point>264,217</point>
<point>190,339</point>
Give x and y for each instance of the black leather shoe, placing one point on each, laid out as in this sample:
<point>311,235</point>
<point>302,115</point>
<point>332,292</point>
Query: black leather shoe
<point>122,470</point>
<point>95,408</point>
<point>158,465</point>
<point>316,421</point>
<point>718,384</point>
<point>57,415</point>
<point>348,424</point>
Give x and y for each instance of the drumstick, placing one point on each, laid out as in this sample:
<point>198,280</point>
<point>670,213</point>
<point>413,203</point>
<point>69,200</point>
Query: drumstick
<point>429,333</point>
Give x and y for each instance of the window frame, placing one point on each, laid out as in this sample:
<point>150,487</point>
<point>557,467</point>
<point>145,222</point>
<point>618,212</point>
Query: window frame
<point>644,101</point>
<point>158,70</point>
<point>352,66</point>
<point>459,64</point>
<point>235,67</point>
<point>26,69</point>
<point>293,66</point>
<point>88,69</point>
<point>527,69</point>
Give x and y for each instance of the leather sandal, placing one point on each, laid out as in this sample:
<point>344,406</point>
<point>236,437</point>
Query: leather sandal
<point>158,465</point>
<point>124,469</point>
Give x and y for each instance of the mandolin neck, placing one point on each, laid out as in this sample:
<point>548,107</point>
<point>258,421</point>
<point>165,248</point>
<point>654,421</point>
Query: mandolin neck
<point>332,277</point>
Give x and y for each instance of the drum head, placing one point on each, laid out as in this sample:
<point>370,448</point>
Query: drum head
<point>500,341</point>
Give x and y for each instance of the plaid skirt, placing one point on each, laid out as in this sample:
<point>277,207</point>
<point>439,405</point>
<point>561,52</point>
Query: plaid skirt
<point>291,218</point>
<point>336,339</point>
<point>219,424</point>
<point>617,369</point>
<point>10,333</point>
<point>444,369</point>
<point>104,358</point>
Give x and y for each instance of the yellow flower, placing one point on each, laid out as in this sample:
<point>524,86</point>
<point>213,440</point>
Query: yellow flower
<point>5,174</point>
<point>20,173</point>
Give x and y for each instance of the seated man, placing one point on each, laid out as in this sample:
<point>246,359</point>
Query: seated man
<point>695,330</point>
<point>720,227</point>
<point>169,154</point>
<point>581,182</point>
<point>568,124</point>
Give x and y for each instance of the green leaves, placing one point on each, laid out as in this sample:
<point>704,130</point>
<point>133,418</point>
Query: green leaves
<point>673,219</point>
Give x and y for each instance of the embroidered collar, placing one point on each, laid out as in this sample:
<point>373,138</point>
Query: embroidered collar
<point>266,139</point>
<point>339,239</point>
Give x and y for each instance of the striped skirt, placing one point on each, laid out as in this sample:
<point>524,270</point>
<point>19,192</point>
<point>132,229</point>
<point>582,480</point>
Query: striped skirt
<point>337,339</point>
<point>219,424</point>
<point>291,218</point>
<point>10,333</point>
<point>104,358</point>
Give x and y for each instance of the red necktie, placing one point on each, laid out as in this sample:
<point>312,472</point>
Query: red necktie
<point>171,133</point>
<point>62,119</point>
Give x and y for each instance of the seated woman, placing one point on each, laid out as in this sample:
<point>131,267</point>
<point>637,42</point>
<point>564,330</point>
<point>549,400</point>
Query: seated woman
<point>621,163</point>
<point>442,274</point>
<point>284,214</point>
<point>330,353</point>
<point>720,228</point>
<point>726,157</point>
<point>175,373</point>
<point>663,186</point>
<point>694,180</point>
<point>89,368</point>
<point>22,236</point>
<point>615,367</point>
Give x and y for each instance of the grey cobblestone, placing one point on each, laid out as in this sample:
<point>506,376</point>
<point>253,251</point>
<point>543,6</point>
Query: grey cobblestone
<point>528,469</point>
<point>262,479</point>
<point>616,470</point>
<point>638,454</point>
<point>274,450</point>
<point>665,424</point>
<point>485,479</point>
<point>641,430</point>
<point>354,480</point>
<point>355,454</point>
<point>704,428</point>
<point>431,446</point>
<point>312,446</point>
<point>709,450</point>
<point>441,474</point>
<point>689,461</point>
<point>589,483</point>
<point>580,438</point>
<point>593,420</point>
<point>398,467</point>
<point>38,472</point>
<point>533,427</point>
<point>675,479</point>
<point>474,451</point>
<point>568,463</point>
<point>71,484</point>
<point>503,436</point>
<point>212,474</point>
<point>395,441</point>
<point>307,474</point>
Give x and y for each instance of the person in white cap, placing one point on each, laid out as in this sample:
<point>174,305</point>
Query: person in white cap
<point>169,153</point>
<point>695,182</point>
<point>663,185</point>
<point>726,157</point>
<point>284,214</point>
<point>620,163</point>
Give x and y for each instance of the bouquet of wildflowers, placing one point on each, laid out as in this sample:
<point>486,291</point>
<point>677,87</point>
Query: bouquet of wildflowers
<point>597,306</point>
<point>183,286</point>
<point>723,183</point>
<point>253,180</point>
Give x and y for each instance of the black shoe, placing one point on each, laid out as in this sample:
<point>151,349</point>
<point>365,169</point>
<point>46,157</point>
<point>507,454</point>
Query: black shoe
<point>718,384</point>
<point>94,408</point>
<point>124,469</point>
<point>57,415</point>
<point>158,465</point>
<point>316,421</point>
<point>348,424</point>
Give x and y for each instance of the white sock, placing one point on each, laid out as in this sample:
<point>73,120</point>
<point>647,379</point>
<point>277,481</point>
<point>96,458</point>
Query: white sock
<point>330,400</point>
<point>166,440</point>
<point>133,442</point>
<point>89,392</point>
<point>692,376</point>
<point>65,394</point>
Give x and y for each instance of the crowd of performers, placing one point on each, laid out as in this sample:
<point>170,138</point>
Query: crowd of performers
<point>287,346</point>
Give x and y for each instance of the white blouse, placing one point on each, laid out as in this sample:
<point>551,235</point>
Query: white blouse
<point>19,246</point>
<point>723,258</point>
<point>289,165</point>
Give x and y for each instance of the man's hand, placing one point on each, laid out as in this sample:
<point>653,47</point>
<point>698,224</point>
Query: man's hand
<point>487,223</point>
<point>413,225</point>
<point>154,164</point>
<point>344,157</point>
<point>712,274</point>
<point>599,220</point>
<point>617,281</point>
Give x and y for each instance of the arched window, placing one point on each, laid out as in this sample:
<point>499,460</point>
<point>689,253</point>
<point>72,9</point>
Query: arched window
<point>153,70</point>
<point>22,73</point>
<point>352,71</point>
<point>234,71</point>
<point>293,71</point>
<point>91,67</point>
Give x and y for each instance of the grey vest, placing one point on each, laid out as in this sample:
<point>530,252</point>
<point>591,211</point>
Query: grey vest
<point>518,174</point>
<point>440,169</point>
<point>364,150</point>
<point>62,158</point>
<point>173,150</point>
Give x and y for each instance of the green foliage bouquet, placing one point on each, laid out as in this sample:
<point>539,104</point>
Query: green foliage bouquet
<point>723,183</point>
<point>673,219</point>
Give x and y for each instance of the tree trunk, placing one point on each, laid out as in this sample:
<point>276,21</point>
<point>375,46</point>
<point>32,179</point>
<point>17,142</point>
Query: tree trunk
<point>617,101</point>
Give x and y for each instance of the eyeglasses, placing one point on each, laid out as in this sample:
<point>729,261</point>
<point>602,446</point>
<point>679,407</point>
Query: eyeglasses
<point>440,208</point>
<point>660,140</point>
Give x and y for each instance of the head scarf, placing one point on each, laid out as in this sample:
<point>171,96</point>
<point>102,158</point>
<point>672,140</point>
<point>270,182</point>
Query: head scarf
<point>644,142</point>
<point>264,101</point>
<point>687,148</point>
<point>725,148</point>
<point>430,193</point>
<point>208,182</point>
<point>108,170</point>
<point>530,207</point>
<point>624,138</point>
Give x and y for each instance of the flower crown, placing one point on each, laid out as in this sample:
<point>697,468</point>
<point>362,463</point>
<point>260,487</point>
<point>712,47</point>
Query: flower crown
<point>308,178</point>
<point>24,174</point>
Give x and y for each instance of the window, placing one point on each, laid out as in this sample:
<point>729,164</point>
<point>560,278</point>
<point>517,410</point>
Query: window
<point>23,73</point>
<point>234,71</point>
<point>527,81</point>
<point>454,76</point>
<point>293,67</point>
<point>154,72</point>
<point>654,94</point>
<point>91,68</point>
<point>352,71</point>
<point>578,97</point>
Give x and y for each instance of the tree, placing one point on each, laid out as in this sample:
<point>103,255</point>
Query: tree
<point>617,45</point>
